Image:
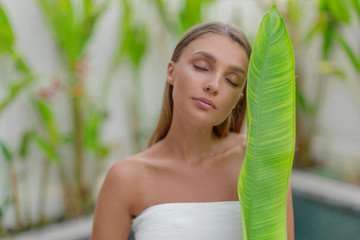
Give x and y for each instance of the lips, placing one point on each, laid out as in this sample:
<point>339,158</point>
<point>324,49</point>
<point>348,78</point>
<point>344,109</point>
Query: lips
<point>204,102</point>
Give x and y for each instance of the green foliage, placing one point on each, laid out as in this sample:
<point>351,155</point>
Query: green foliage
<point>332,15</point>
<point>7,41</point>
<point>72,25</point>
<point>263,180</point>
<point>6,35</point>
<point>133,37</point>
<point>92,132</point>
<point>303,103</point>
<point>190,15</point>
<point>6,202</point>
<point>356,5</point>
<point>168,21</point>
<point>49,120</point>
<point>332,18</point>
<point>6,151</point>
<point>14,90</point>
<point>349,52</point>
<point>46,147</point>
<point>340,10</point>
<point>71,31</point>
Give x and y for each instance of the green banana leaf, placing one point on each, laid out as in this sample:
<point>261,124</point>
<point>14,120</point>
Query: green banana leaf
<point>265,173</point>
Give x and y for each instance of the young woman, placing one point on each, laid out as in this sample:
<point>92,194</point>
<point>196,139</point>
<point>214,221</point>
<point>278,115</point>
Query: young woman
<point>184,186</point>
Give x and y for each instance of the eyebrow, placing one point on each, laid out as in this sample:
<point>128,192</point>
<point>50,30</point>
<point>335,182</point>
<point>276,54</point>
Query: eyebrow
<point>237,69</point>
<point>205,54</point>
<point>213,59</point>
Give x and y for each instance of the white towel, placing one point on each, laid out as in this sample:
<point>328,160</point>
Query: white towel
<point>187,221</point>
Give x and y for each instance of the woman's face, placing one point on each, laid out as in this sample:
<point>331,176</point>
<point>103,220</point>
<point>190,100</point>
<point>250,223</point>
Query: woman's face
<point>208,79</point>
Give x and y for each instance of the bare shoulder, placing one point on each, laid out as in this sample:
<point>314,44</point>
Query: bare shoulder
<point>117,201</point>
<point>125,170</point>
<point>120,181</point>
<point>127,175</point>
<point>124,176</point>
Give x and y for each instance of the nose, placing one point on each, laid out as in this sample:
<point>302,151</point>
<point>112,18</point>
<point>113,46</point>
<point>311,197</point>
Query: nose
<point>212,85</point>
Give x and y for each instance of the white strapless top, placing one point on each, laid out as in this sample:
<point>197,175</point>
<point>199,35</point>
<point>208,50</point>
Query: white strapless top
<point>187,221</point>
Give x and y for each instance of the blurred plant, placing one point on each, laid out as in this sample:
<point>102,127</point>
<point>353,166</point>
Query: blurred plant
<point>332,18</point>
<point>10,160</point>
<point>48,145</point>
<point>5,203</point>
<point>72,28</point>
<point>7,49</point>
<point>190,14</point>
<point>7,41</point>
<point>333,15</point>
<point>132,43</point>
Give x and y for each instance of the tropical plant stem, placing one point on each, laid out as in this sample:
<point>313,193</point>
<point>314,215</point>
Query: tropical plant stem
<point>2,226</point>
<point>135,118</point>
<point>135,125</point>
<point>15,196</point>
<point>43,192</point>
<point>310,131</point>
<point>67,193</point>
<point>78,145</point>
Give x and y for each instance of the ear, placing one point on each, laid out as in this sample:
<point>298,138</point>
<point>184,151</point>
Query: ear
<point>170,72</point>
<point>241,96</point>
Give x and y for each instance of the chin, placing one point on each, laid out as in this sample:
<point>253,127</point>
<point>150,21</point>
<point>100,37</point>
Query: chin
<point>208,121</point>
<point>204,118</point>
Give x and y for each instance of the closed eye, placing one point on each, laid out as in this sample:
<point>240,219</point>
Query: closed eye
<point>231,82</point>
<point>200,68</point>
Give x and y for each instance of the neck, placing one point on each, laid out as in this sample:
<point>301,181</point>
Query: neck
<point>190,143</point>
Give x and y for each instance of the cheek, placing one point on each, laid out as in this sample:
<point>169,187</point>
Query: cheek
<point>184,82</point>
<point>181,88</point>
<point>227,106</point>
<point>232,100</point>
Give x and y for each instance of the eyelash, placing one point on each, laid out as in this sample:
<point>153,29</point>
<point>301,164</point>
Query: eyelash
<point>200,68</point>
<point>204,69</point>
<point>233,84</point>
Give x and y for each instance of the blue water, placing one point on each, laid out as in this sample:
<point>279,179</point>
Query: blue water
<point>317,221</point>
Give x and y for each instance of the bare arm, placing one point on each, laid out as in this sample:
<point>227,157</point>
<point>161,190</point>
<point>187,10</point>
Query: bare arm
<point>290,215</point>
<point>112,219</point>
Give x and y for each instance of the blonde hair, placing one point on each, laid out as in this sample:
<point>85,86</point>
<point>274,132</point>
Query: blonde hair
<point>234,122</point>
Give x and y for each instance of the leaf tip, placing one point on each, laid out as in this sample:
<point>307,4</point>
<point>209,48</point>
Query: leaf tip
<point>274,10</point>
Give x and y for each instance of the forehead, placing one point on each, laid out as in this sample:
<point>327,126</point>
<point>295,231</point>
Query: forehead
<point>223,48</point>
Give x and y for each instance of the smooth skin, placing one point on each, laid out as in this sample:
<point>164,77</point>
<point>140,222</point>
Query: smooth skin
<point>190,164</point>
